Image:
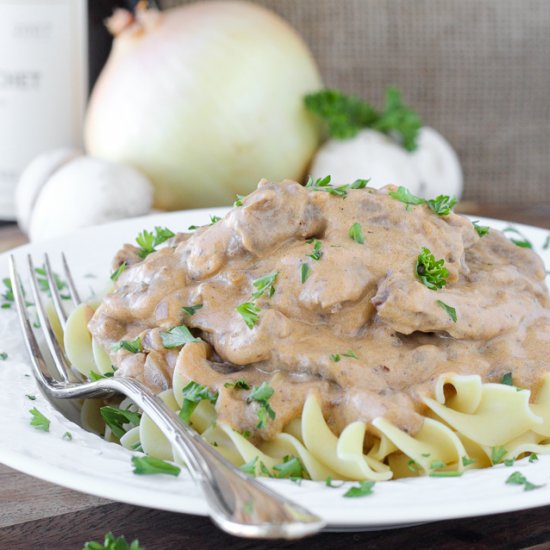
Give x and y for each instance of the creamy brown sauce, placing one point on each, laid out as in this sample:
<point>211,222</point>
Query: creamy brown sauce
<point>360,297</point>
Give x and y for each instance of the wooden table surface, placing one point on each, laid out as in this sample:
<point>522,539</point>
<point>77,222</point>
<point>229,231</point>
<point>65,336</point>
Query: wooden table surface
<point>38,515</point>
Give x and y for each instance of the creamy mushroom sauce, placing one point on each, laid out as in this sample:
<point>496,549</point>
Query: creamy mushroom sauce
<point>360,297</point>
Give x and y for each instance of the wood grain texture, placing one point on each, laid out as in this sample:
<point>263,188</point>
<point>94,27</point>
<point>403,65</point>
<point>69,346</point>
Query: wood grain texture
<point>36,515</point>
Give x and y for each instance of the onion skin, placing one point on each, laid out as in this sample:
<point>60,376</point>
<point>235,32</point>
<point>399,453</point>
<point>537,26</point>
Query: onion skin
<point>206,99</point>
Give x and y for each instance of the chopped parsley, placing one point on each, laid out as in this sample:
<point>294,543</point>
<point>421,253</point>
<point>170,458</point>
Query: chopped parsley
<point>323,184</point>
<point>250,467</point>
<point>329,483</point>
<point>497,454</point>
<point>405,196</point>
<point>533,457</point>
<point>147,465</point>
<point>148,241</point>
<point>191,310</point>
<point>67,436</point>
<point>451,311</point>
<point>95,376</point>
<point>265,285</point>
<point>30,396</point>
<point>44,284</point>
<point>442,205</point>
<point>466,461</point>
<point>522,242</point>
<point>291,468</point>
<point>113,543</point>
<point>364,489</point>
<point>507,379</point>
<point>249,312</point>
<point>239,384</point>
<point>317,252</point>
<point>360,184</point>
<point>356,233</point>
<point>115,418</point>
<point>3,356</point>
<point>517,478</point>
<point>335,357</point>
<point>39,421</point>
<point>239,200</point>
<point>133,346</point>
<point>118,271</point>
<point>193,394</point>
<point>304,272</point>
<point>481,230</point>
<point>413,466</point>
<point>546,243</point>
<point>262,394</point>
<point>350,353</point>
<point>430,271</point>
<point>177,337</point>
<point>450,473</point>
<point>346,115</point>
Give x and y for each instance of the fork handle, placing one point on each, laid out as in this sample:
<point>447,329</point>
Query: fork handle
<point>238,504</point>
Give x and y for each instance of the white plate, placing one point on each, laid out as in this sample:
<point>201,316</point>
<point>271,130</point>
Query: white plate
<point>91,465</point>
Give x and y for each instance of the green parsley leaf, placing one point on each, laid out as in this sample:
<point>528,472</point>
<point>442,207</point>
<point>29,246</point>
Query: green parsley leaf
<point>133,346</point>
<point>323,184</point>
<point>533,457</point>
<point>335,357</point>
<point>239,200</point>
<point>451,311</point>
<point>39,421</point>
<point>450,473</point>
<point>265,284</point>
<point>522,242</point>
<point>546,243</point>
<point>237,385</point>
<point>350,353</point>
<point>118,271</point>
<point>8,293</point>
<point>497,454</point>
<point>517,478</point>
<point>317,253</point>
<point>509,462</point>
<point>404,195</point>
<point>191,310</point>
<point>148,241</point>
<point>466,461</point>
<point>67,436</point>
<point>115,418</point>
<point>413,466</point>
<point>177,337</point>
<point>3,356</point>
<point>430,271</point>
<point>437,465</point>
<point>329,483</point>
<point>250,467</point>
<point>364,489</point>
<point>193,394</point>
<point>147,465</point>
<point>507,379</point>
<point>319,182</point>
<point>249,312</point>
<point>442,205</point>
<point>95,376</point>
<point>304,272</point>
<point>113,543</point>
<point>30,396</point>
<point>262,394</point>
<point>356,233</point>
<point>359,184</point>
<point>246,434</point>
<point>291,467</point>
<point>346,115</point>
<point>482,230</point>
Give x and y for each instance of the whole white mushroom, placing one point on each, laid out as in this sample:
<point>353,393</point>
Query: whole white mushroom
<point>432,169</point>
<point>88,191</point>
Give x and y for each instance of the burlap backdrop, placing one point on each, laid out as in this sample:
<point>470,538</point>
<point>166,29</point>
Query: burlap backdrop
<point>477,70</point>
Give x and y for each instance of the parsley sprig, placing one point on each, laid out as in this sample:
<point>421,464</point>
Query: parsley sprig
<point>250,312</point>
<point>430,271</point>
<point>113,543</point>
<point>148,240</point>
<point>133,346</point>
<point>148,465</point>
<point>442,205</point>
<point>177,337</point>
<point>193,394</point>
<point>481,230</point>
<point>115,418</point>
<point>517,478</point>
<point>365,488</point>
<point>265,285</point>
<point>345,115</point>
<point>521,241</point>
<point>323,184</point>
<point>39,421</point>
<point>261,395</point>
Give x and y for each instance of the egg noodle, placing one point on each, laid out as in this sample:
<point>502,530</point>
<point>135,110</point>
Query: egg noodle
<point>469,424</point>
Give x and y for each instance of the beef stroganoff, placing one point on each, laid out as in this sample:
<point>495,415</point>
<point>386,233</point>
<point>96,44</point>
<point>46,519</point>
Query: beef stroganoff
<point>325,331</point>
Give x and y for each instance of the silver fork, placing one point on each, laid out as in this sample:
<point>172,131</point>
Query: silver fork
<point>237,503</point>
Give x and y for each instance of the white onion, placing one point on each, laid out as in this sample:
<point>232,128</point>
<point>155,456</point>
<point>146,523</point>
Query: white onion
<point>206,99</point>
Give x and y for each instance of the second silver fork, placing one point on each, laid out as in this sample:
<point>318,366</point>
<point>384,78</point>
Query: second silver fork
<point>238,504</point>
